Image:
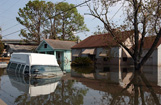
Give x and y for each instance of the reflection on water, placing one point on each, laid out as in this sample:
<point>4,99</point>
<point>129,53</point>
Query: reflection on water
<point>33,86</point>
<point>121,85</point>
<point>88,86</point>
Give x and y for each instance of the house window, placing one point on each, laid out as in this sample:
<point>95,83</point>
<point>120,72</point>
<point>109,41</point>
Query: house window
<point>92,57</point>
<point>106,69</point>
<point>45,45</point>
<point>106,58</point>
<point>124,70</point>
<point>124,58</point>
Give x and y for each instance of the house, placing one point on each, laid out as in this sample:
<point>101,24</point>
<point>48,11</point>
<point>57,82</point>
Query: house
<point>19,48</point>
<point>103,49</point>
<point>16,45</point>
<point>17,42</point>
<point>155,58</point>
<point>61,49</point>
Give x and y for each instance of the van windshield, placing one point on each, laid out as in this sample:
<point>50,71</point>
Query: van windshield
<point>44,69</point>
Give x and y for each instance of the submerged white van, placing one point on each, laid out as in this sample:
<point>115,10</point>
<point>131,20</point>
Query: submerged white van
<point>34,64</point>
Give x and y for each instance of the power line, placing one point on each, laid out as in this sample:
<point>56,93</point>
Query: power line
<point>10,7</point>
<point>113,15</point>
<point>117,11</point>
<point>72,8</point>
<point>52,17</point>
<point>10,27</point>
<point>4,2</point>
<point>13,32</point>
<point>8,21</point>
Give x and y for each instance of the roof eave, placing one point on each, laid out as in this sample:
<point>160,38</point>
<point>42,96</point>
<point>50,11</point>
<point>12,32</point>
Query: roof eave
<point>95,47</point>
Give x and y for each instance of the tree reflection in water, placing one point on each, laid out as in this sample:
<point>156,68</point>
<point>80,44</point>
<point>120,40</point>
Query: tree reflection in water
<point>133,89</point>
<point>139,83</point>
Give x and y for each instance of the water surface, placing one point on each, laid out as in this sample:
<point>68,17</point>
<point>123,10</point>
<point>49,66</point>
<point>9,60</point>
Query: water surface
<point>85,86</point>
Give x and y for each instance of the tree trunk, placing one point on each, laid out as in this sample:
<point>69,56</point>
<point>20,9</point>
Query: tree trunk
<point>51,30</point>
<point>38,31</point>
<point>63,29</point>
<point>54,33</point>
<point>63,33</point>
<point>38,35</point>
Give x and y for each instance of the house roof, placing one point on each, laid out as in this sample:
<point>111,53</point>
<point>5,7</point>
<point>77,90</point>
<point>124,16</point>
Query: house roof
<point>59,44</point>
<point>148,41</point>
<point>103,40</point>
<point>22,48</point>
<point>16,41</point>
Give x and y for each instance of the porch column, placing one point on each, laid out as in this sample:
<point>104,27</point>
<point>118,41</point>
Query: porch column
<point>55,53</point>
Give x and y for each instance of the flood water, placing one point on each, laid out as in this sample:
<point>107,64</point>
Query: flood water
<point>85,86</point>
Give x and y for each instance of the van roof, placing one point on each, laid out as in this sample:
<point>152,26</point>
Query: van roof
<point>29,53</point>
<point>34,59</point>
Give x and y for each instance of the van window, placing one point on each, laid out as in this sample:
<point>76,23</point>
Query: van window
<point>27,70</point>
<point>21,69</point>
<point>13,66</point>
<point>18,67</point>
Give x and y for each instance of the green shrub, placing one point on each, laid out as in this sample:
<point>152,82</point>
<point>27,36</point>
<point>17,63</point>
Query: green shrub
<point>82,61</point>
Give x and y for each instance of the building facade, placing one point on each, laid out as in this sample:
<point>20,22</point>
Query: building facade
<point>104,50</point>
<point>61,50</point>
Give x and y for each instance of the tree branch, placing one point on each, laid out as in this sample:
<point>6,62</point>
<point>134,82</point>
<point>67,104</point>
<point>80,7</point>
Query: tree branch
<point>153,47</point>
<point>148,85</point>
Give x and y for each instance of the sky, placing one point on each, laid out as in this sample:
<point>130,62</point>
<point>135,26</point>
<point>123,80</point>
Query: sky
<point>9,12</point>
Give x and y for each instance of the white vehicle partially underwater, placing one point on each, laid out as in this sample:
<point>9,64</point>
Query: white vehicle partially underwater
<point>34,64</point>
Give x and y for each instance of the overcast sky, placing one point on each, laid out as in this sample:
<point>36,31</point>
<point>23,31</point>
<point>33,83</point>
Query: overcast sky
<point>9,12</point>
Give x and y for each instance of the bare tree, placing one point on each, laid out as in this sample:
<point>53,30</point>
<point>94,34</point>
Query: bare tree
<point>142,16</point>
